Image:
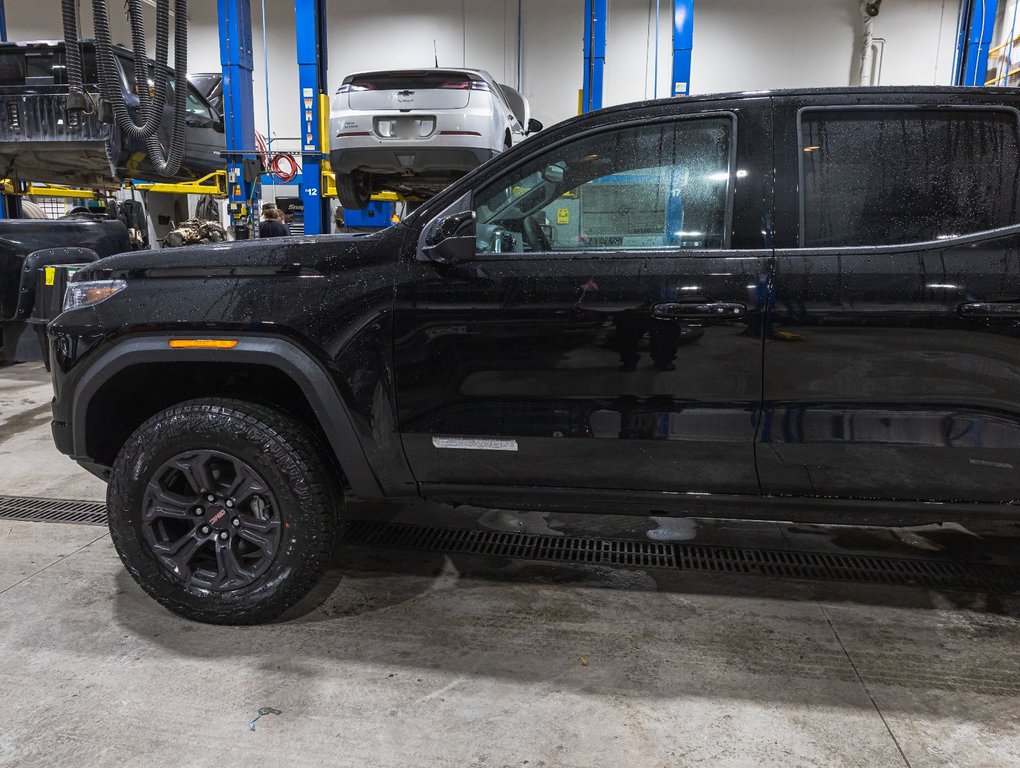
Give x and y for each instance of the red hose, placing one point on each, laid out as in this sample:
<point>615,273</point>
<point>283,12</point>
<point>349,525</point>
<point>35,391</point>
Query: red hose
<point>285,177</point>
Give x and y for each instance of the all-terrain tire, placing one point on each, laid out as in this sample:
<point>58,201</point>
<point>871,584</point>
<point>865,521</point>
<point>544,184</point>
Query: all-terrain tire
<point>283,452</point>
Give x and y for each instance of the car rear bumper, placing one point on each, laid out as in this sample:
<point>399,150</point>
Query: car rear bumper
<point>409,160</point>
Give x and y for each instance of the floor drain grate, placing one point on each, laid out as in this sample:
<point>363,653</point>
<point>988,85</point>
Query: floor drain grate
<point>52,510</point>
<point>792,564</point>
<point>527,546</point>
<point>934,573</point>
<point>797,564</point>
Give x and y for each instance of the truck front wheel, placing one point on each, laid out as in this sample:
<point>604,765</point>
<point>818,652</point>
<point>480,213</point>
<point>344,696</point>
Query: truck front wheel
<point>224,511</point>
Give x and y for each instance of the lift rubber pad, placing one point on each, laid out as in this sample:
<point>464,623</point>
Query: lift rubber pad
<point>939,573</point>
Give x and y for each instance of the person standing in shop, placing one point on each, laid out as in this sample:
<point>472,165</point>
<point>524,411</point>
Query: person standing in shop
<point>271,225</point>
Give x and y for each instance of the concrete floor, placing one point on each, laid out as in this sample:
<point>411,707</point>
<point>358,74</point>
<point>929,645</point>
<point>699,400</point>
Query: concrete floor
<point>424,659</point>
<point>29,464</point>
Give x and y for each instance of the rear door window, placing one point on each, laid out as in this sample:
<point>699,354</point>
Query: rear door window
<point>874,176</point>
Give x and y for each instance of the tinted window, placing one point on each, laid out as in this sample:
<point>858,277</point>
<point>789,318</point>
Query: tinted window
<point>646,187</point>
<point>211,87</point>
<point>43,67</point>
<point>398,81</point>
<point>193,103</point>
<point>884,176</point>
<point>12,68</point>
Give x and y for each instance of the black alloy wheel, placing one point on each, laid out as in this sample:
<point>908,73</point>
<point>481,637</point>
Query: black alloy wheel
<point>210,519</point>
<point>224,511</point>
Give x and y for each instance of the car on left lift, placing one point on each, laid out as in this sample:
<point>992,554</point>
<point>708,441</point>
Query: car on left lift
<point>41,140</point>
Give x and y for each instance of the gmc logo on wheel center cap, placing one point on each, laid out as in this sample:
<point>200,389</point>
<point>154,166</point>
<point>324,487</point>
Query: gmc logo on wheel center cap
<point>218,516</point>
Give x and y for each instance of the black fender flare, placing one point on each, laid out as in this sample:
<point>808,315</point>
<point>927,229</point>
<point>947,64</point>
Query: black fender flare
<point>280,353</point>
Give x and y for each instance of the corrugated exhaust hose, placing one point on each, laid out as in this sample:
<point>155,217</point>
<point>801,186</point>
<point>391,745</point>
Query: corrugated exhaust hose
<point>150,102</point>
<point>72,56</point>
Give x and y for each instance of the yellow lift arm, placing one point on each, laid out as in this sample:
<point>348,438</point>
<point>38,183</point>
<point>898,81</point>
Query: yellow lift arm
<point>214,184</point>
<point>9,187</point>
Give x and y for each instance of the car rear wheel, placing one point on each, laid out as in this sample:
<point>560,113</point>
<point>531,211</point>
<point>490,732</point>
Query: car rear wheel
<point>352,190</point>
<point>224,511</point>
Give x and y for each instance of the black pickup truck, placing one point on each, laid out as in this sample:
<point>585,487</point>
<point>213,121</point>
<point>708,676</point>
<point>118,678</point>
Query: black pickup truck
<point>41,140</point>
<point>794,305</point>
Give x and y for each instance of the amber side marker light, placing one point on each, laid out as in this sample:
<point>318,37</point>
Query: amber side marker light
<point>202,343</point>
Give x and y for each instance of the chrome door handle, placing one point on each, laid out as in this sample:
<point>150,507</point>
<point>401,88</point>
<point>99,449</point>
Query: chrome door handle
<point>718,309</point>
<point>990,309</point>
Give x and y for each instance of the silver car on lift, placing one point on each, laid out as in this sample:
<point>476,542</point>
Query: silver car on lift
<point>414,132</point>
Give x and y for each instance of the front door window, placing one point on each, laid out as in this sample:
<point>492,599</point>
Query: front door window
<point>647,187</point>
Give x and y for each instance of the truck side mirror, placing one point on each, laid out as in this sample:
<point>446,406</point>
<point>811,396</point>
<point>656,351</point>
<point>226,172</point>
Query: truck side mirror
<point>451,239</point>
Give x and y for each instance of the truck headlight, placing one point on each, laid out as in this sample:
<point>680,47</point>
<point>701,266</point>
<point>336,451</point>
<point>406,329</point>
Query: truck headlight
<point>89,292</point>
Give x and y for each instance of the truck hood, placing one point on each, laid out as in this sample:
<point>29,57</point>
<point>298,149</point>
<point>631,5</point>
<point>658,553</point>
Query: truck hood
<point>287,256</point>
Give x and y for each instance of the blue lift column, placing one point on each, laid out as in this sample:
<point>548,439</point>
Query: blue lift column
<point>239,112</point>
<point>976,31</point>
<point>596,17</point>
<point>311,56</point>
<point>683,45</point>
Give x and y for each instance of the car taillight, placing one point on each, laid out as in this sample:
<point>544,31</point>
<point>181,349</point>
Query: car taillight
<point>464,85</point>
